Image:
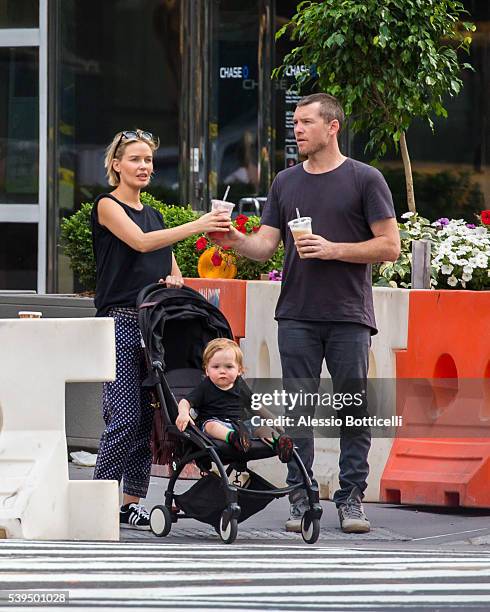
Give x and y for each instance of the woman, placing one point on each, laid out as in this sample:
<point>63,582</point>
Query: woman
<point>132,249</point>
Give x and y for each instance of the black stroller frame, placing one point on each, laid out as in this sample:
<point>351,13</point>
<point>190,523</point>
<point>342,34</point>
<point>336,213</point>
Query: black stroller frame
<point>183,308</point>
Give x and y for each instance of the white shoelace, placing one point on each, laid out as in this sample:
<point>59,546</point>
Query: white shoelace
<point>140,511</point>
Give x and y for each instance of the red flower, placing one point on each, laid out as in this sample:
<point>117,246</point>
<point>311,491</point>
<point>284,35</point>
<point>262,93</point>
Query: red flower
<point>216,259</point>
<point>485,217</point>
<point>226,248</point>
<point>201,243</point>
<point>241,219</point>
<point>256,228</point>
<point>242,229</point>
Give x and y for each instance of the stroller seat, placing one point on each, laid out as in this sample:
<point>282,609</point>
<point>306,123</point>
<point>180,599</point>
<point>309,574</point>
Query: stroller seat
<point>181,381</point>
<point>176,325</point>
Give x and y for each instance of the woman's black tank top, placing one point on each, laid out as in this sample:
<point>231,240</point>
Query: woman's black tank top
<point>121,271</point>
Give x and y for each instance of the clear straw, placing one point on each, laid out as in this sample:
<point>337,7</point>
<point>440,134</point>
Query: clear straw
<point>297,213</point>
<point>226,193</point>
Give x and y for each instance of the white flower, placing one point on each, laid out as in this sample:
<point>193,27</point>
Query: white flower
<point>452,281</point>
<point>407,215</point>
<point>447,269</point>
<point>453,258</point>
<point>466,276</point>
<point>481,261</point>
<point>468,270</point>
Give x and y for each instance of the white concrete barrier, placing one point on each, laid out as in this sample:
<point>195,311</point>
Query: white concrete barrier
<point>262,360</point>
<point>37,499</point>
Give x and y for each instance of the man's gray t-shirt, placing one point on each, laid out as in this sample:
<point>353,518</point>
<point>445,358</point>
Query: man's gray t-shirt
<point>342,204</point>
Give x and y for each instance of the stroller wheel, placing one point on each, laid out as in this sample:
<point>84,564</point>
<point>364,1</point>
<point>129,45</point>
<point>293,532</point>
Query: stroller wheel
<point>310,529</point>
<point>229,534</point>
<point>160,521</point>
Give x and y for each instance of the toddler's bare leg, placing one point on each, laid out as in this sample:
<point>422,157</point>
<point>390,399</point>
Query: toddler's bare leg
<point>217,430</point>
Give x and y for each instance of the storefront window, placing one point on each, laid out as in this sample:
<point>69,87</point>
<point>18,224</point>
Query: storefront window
<point>19,13</point>
<point>19,125</point>
<point>234,99</point>
<point>18,255</point>
<point>287,94</point>
<point>118,68</point>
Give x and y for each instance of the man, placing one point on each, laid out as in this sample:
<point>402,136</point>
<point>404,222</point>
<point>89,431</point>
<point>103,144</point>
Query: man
<point>325,309</point>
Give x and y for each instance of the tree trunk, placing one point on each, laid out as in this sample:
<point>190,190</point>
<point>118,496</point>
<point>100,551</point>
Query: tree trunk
<point>408,173</point>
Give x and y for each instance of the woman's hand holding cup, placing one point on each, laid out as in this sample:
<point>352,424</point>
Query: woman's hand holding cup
<point>213,222</point>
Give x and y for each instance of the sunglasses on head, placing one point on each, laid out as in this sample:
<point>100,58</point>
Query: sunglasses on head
<point>135,134</point>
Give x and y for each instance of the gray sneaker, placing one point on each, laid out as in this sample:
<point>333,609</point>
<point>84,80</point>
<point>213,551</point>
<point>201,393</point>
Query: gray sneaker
<point>296,511</point>
<point>351,514</point>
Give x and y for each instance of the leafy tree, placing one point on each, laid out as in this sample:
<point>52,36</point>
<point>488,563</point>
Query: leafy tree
<point>387,61</point>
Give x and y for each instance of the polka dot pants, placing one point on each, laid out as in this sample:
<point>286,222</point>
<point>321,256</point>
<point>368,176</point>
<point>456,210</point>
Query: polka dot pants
<point>124,452</point>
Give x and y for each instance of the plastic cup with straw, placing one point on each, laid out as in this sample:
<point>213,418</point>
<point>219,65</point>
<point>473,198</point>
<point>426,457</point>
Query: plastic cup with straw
<point>300,226</point>
<point>223,205</point>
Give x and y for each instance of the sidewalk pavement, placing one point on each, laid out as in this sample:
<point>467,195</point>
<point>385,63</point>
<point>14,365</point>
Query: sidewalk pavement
<point>393,527</point>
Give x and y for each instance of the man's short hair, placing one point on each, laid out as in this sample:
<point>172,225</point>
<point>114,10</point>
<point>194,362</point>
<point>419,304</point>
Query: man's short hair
<point>330,107</point>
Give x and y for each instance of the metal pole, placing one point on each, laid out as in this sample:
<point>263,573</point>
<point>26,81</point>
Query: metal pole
<point>421,264</point>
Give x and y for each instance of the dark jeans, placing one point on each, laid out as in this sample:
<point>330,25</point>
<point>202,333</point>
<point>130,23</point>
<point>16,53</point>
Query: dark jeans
<point>303,345</point>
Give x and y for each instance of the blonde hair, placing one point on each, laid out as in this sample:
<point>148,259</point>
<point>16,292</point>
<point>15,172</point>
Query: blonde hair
<point>221,344</point>
<point>116,151</point>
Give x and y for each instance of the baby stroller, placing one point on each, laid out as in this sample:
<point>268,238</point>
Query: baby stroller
<point>176,325</point>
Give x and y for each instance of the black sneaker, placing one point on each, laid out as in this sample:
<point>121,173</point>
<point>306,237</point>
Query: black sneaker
<point>134,516</point>
<point>351,514</point>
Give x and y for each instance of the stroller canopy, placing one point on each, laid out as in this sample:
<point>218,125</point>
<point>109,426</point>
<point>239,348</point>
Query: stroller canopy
<point>176,325</point>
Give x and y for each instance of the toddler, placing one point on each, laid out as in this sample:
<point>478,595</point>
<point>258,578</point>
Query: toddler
<point>222,399</point>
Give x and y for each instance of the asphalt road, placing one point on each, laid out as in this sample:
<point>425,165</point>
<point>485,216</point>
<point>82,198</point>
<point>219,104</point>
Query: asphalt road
<point>413,559</point>
<point>412,527</point>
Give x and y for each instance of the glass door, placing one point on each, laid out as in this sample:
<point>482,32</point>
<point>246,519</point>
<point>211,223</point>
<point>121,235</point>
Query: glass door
<point>23,144</point>
<point>234,95</point>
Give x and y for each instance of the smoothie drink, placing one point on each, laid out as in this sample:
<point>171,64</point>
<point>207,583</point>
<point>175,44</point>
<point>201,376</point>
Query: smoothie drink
<point>300,227</point>
<point>222,206</point>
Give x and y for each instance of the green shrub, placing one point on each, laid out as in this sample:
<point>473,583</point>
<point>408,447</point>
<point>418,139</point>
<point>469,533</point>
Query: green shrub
<point>76,240</point>
<point>441,194</point>
<point>185,250</point>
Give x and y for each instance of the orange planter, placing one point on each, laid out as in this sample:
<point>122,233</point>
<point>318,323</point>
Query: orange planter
<point>207,269</point>
<point>448,338</point>
<point>230,296</point>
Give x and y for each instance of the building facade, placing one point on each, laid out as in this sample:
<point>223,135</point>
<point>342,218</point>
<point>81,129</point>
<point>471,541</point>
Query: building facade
<point>196,73</point>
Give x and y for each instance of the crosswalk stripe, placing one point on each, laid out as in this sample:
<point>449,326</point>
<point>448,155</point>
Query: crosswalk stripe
<point>245,577</point>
